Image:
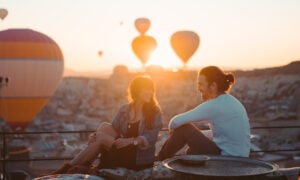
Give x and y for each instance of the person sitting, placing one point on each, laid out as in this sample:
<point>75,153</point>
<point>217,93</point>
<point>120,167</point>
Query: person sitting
<point>129,141</point>
<point>226,115</point>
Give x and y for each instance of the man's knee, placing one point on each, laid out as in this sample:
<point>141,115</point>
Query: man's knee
<point>185,127</point>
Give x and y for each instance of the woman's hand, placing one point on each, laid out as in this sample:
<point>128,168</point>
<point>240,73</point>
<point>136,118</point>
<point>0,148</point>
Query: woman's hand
<point>123,142</point>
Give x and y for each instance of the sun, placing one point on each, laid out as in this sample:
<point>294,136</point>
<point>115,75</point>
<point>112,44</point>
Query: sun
<point>165,57</point>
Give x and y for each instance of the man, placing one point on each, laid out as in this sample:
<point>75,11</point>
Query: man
<point>226,115</point>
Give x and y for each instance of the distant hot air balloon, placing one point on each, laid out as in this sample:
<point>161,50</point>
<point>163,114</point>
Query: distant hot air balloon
<point>33,65</point>
<point>3,13</point>
<point>142,25</point>
<point>185,43</point>
<point>100,53</point>
<point>143,46</point>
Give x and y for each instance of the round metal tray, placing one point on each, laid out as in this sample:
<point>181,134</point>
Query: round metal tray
<point>221,166</point>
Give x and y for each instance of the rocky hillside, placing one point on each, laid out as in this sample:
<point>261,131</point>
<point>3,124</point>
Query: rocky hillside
<point>269,95</point>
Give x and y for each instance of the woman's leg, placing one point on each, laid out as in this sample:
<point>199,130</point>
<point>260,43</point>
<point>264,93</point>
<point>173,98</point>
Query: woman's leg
<point>188,134</point>
<point>104,138</point>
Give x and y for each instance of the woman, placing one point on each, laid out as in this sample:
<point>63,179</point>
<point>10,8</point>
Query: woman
<point>129,141</point>
<point>226,115</point>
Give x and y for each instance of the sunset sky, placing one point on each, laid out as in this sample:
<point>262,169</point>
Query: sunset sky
<point>242,34</point>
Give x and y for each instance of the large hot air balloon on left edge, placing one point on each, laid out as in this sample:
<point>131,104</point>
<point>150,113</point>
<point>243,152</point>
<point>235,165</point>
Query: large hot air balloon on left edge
<point>31,66</point>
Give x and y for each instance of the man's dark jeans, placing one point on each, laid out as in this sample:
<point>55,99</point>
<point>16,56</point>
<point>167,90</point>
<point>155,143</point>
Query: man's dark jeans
<point>187,134</point>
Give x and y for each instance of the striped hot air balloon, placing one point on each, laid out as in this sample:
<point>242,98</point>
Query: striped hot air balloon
<point>31,67</point>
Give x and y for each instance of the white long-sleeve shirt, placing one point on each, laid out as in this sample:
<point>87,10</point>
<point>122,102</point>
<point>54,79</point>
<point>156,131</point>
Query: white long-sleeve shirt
<point>228,120</point>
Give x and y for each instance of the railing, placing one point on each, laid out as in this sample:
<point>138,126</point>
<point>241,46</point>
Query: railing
<point>4,159</point>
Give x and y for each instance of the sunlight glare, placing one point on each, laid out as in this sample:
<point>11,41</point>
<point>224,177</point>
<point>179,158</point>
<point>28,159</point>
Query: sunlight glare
<point>175,69</point>
<point>164,56</point>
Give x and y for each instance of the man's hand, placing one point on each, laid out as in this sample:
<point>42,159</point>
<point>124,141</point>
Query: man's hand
<point>123,142</point>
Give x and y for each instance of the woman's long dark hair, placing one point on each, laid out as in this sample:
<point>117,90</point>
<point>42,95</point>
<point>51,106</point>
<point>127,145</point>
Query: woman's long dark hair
<point>151,108</point>
<point>223,80</point>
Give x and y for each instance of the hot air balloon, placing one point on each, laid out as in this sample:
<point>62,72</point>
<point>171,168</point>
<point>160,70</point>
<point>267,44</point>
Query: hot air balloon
<point>142,25</point>
<point>185,43</point>
<point>3,13</point>
<point>100,53</point>
<point>143,46</point>
<point>33,64</point>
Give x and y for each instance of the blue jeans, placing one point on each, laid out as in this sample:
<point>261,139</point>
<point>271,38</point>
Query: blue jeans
<point>187,134</point>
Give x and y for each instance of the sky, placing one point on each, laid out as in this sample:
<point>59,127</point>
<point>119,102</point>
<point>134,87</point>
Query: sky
<point>241,34</point>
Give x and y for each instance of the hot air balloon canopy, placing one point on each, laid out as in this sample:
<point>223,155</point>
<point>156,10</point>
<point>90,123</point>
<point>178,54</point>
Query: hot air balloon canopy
<point>185,43</point>
<point>142,25</point>
<point>100,53</point>
<point>3,13</point>
<point>143,46</point>
<point>32,64</point>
